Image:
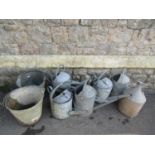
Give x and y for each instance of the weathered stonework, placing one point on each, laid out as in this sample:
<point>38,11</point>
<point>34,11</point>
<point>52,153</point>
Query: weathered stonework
<point>120,37</point>
<point>110,37</point>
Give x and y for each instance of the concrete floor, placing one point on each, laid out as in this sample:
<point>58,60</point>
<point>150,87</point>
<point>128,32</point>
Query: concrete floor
<point>107,120</point>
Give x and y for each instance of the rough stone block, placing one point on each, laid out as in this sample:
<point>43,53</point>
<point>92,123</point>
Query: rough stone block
<point>138,24</point>
<point>78,34</point>
<point>70,22</point>
<point>29,48</point>
<point>139,77</point>
<point>39,34</point>
<point>52,22</point>
<point>151,79</point>
<point>81,71</point>
<point>59,34</point>
<point>48,49</point>
<point>120,35</point>
<point>86,22</point>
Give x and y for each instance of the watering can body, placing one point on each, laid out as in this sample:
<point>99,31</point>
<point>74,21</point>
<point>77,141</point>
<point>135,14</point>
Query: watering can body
<point>61,104</point>
<point>17,101</point>
<point>120,83</point>
<point>60,78</point>
<point>85,99</point>
<point>132,105</point>
<point>103,88</point>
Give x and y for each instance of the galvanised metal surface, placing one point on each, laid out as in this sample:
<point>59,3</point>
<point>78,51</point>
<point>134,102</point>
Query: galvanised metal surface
<point>60,107</point>
<point>25,96</point>
<point>85,99</point>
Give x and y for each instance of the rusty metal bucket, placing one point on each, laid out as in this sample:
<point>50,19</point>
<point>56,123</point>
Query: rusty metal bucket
<point>25,104</point>
<point>132,105</point>
<point>28,78</point>
<point>61,103</point>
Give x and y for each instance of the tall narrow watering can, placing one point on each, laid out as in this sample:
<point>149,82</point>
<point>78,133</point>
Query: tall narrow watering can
<point>61,103</point>
<point>132,105</point>
<point>103,87</point>
<point>25,104</point>
<point>84,100</point>
<point>120,83</point>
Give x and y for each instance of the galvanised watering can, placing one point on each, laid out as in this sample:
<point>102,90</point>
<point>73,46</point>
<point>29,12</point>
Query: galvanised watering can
<point>62,77</point>
<point>61,102</point>
<point>84,100</point>
<point>120,83</point>
<point>103,87</point>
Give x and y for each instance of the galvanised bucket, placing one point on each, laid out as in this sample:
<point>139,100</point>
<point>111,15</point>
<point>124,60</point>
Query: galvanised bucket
<point>84,99</point>
<point>25,104</point>
<point>34,77</point>
<point>61,102</point>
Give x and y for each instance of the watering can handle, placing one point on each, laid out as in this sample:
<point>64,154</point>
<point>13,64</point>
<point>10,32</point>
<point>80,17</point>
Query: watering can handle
<point>54,90</point>
<point>101,75</point>
<point>124,71</point>
<point>61,67</point>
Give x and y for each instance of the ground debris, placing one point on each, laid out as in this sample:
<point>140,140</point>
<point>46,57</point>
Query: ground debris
<point>30,131</point>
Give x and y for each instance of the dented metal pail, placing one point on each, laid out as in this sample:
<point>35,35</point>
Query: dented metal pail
<point>25,104</point>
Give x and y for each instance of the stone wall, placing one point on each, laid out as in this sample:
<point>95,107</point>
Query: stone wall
<point>87,37</point>
<point>110,37</point>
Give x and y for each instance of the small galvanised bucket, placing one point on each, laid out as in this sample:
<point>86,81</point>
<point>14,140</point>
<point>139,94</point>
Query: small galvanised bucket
<point>25,104</point>
<point>84,100</point>
<point>34,77</point>
<point>61,102</point>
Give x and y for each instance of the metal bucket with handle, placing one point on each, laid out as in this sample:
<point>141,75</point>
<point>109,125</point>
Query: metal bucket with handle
<point>25,104</point>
